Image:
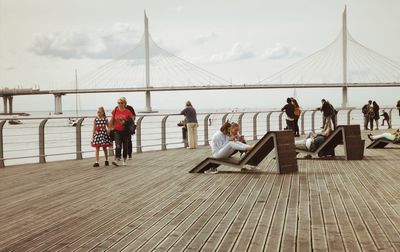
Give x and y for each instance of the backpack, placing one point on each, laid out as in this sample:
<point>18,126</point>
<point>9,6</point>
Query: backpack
<point>297,111</point>
<point>365,109</point>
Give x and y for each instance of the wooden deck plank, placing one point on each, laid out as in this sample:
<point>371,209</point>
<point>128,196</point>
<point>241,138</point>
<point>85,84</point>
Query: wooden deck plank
<point>155,204</point>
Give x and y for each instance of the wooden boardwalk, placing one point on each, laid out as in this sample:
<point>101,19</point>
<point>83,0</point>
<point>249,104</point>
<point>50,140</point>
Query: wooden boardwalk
<point>155,204</point>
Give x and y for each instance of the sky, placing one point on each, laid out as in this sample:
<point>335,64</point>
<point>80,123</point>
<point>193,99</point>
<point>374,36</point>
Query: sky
<point>42,42</point>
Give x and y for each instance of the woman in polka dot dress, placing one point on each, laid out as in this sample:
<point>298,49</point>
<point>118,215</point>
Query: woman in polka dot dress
<point>101,136</point>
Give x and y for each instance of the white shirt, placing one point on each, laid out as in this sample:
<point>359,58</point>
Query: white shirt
<point>219,140</point>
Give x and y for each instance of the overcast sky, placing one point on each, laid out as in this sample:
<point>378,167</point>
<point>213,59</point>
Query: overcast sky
<point>43,41</point>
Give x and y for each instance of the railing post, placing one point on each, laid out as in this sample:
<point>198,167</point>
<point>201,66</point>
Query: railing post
<point>313,120</point>
<point>255,125</point>
<point>79,139</point>
<point>302,123</point>
<point>280,120</point>
<point>224,118</point>
<point>206,143</point>
<point>42,154</point>
<point>139,134</point>
<point>1,143</point>
<point>164,133</point>
<point>240,122</point>
<point>269,120</point>
<point>348,117</point>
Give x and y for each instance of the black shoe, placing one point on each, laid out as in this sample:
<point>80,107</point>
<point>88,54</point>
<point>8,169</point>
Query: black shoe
<point>370,137</point>
<point>96,164</point>
<point>106,163</point>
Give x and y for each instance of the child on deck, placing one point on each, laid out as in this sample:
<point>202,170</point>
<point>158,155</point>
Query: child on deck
<point>101,136</point>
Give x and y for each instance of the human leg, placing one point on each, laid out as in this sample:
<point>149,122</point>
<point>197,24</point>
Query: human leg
<point>386,135</point>
<point>301,144</point>
<point>365,122</point>
<point>129,146</point>
<point>230,148</point>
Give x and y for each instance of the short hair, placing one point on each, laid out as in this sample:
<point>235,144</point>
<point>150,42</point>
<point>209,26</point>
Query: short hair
<point>323,100</point>
<point>369,101</point>
<point>288,100</point>
<point>188,104</point>
<point>123,99</point>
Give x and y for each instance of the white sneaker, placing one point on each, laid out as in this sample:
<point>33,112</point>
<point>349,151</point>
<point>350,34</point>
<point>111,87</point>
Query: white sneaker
<point>124,162</point>
<point>249,167</point>
<point>116,162</point>
<point>211,171</point>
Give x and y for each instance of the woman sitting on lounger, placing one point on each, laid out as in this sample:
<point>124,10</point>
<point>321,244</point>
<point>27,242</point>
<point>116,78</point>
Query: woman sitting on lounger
<point>394,137</point>
<point>224,145</point>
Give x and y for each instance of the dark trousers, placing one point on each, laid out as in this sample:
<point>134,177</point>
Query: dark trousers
<point>121,139</point>
<point>296,126</point>
<point>290,124</point>
<point>371,123</point>
<point>130,145</point>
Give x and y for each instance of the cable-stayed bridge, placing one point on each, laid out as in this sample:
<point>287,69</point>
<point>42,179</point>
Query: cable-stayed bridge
<point>147,67</point>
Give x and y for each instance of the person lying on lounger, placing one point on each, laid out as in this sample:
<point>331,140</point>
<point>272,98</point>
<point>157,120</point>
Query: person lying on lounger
<point>394,137</point>
<point>313,141</point>
<point>224,145</point>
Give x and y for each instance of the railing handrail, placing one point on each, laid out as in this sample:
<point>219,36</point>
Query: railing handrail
<point>163,143</point>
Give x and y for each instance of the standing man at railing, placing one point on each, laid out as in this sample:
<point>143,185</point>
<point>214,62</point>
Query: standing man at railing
<point>191,123</point>
<point>365,110</point>
<point>329,114</point>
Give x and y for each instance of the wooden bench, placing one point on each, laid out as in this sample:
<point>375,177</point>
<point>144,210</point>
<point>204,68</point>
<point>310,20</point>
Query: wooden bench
<point>380,143</point>
<point>281,141</point>
<point>347,135</point>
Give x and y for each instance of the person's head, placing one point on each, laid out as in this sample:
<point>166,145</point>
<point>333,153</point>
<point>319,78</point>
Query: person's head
<point>225,128</point>
<point>383,111</point>
<point>374,103</point>
<point>235,127</point>
<point>294,101</point>
<point>369,102</point>
<point>122,102</point>
<point>188,104</point>
<point>323,101</point>
<point>101,112</point>
<point>288,100</point>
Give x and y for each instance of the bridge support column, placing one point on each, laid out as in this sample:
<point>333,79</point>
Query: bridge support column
<point>10,104</point>
<point>148,102</point>
<point>344,97</point>
<point>58,104</point>
<point>5,104</point>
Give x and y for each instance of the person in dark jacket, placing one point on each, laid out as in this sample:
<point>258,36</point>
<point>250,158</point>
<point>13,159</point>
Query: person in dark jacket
<point>289,110</point>
<point>130,108</point>
<point>365,110</point>
<point>386,118</point>
<point>191,123</point>
<point>329,114</point>
<point>376,114</point>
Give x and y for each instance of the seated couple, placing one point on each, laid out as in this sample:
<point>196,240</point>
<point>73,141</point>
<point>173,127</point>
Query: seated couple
<point>394,137</point>
<point>226,142</point>
<point>313,141</point>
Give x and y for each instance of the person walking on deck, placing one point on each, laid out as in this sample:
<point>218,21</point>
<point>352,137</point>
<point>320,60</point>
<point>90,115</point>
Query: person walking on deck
<point>191,123</point>
<point>118,122</point>
<point>100,135</point>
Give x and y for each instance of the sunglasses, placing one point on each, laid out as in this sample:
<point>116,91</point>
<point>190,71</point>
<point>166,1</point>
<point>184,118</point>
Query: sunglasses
<point>121,103</point>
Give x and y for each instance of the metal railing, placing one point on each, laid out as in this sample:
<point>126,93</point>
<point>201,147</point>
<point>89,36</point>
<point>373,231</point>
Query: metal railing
<point>55,139</point>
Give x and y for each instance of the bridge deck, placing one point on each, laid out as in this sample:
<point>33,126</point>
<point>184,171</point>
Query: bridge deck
<point>155,204</point>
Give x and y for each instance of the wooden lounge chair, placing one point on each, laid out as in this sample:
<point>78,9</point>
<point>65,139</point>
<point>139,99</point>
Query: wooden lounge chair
<point>380,143</point>
<point>282,141</point>
<point>347,135</point>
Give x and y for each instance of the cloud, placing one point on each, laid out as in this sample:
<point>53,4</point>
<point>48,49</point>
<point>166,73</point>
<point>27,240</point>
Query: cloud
<point>203,38</point>
<point>237,52</point>
<point>281,51</point>
<point>101,44</point>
